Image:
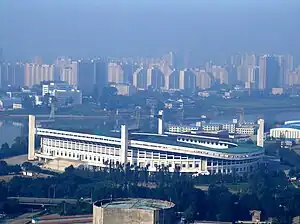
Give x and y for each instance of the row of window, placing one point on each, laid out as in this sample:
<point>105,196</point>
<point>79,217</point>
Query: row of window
<point>70,134</point>
<point>108,150</point>
<point>200,141</point>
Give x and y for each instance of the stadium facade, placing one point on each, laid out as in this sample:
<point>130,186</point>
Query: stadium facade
<point>185,152</point>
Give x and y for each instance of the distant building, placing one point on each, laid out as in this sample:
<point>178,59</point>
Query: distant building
<point>174,80</point>
<point>220,74</point>
<point>245,130</point>
<point>124,89</point>
<point>231,128</point>
<point>174,104</point>
<point>140,79</point>
<point>182,128</point>
<point>67,71</point>
<point>11,74</point>
<point>115,73</point>
<point>269,72</point>
<point>203,79</point>
<point>10,103</point>
<point>92,75</point>
<point>63,93</point>
<point>277,91</point>
<point>187,81</point>
<point>155,78</point>
<point>36,73</point>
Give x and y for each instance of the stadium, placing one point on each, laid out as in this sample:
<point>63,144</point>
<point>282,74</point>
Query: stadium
<point>183,152</point>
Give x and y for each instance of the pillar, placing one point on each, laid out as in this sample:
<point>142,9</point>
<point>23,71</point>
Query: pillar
<point>124,144</point>
<point>160,122</point>
<point>260,133</point>
<point>31,137</point>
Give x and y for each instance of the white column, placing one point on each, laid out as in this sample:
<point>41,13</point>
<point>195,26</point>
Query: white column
<point>260,133</point>
<point>124,144</point>
<point>31,137</point>
<point>160,122</point>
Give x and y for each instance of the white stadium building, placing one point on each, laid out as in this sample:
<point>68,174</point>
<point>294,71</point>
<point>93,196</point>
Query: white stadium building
<point>179,151</point>
<point>289,130</point>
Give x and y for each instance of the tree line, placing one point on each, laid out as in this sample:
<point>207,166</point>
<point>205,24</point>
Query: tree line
<point>268,191</point>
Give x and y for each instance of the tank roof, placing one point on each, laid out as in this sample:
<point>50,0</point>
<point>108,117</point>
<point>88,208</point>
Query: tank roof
<point>135,203</point>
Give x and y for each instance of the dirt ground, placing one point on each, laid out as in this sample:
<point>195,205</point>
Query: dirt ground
<point>16,160</point>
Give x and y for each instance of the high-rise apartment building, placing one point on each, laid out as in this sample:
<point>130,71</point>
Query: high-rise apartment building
<point>140,78</point>
<point>115,73</point>
<point>11,74</point>
<point>92,75</point>
<point>269,72</point>
<point>129,69</point>
<point>86,76</point>
<point>169,59</point>
<point>155,78</point>
<point>174,80</point>
<point>67,71</point>
<point>203,79</point>
<point>286,64</point>
<point>36,73</point>
<point>293,77</point>
<point>187,80</point>
<point>100,75</point>
<point>220,74</point>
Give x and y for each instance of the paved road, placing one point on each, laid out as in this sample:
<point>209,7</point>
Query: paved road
<point>43,201</point>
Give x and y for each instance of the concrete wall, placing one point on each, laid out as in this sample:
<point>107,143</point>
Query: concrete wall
<point>130,216</point>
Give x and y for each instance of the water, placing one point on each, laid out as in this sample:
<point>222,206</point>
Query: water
<point>9,131</point>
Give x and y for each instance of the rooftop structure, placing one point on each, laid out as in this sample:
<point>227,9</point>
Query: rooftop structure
<point>136,203</point>
<point>63,92</point>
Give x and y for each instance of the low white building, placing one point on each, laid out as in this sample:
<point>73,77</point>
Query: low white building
<point>124,89</point>
<point>290,130</point>
<point>63,93</point>
<point>245,130</point>
<point>182,128</point>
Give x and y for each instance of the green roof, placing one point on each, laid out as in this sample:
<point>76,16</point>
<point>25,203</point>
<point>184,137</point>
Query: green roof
<point>242,148</point>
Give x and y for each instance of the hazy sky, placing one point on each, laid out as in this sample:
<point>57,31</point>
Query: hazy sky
<point>210,28</point>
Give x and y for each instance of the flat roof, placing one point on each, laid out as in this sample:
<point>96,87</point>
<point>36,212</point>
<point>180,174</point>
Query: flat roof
<point>242,148</point>
<point>135,203</point>
<point>290,125</point>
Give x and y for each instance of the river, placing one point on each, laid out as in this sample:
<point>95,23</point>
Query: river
<point>9,131</point>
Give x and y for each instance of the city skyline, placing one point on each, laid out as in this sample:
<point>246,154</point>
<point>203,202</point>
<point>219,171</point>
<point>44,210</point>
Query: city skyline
<point>249,70</point>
